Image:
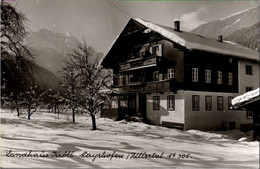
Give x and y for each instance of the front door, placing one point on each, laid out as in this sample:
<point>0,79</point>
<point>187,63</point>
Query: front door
<point>142,104</point>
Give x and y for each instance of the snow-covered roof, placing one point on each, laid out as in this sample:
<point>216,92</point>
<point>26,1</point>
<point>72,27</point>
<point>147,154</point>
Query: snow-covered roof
<point>246,98</point>
<point>197,42</point>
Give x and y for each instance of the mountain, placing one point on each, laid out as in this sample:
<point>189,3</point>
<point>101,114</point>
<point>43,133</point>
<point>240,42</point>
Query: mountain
<point>227,26</point>
<point>50,49</point>
<point>45,79</point>
<point>246,36</point>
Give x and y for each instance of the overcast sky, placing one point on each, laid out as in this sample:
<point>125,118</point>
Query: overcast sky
<point>100,22</point>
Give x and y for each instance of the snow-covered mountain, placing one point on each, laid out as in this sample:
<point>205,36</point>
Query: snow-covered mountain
<point>230,24</point>
<point>246,36</point>
<point>50,49</point>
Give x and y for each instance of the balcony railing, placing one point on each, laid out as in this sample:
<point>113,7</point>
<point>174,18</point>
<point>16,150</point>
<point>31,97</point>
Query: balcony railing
<point>156,86</point>
<point>138,63</point>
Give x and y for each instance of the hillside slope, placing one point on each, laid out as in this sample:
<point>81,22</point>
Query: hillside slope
<point>51,49</point>
<point>230,24</point>
<point>247,36</point>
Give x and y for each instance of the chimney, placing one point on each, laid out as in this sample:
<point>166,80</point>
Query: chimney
<point>220,38</point>
<point>177,26</point>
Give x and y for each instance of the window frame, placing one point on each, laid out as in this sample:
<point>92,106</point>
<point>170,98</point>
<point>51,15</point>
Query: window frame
<point>247,114</point>
<point>155,75</point>
<point>193,103</point>
<point>210,109</point>
<point>173,102</point>
<point>230,78</point>
<point>249,69</point>
<point>219,77</point>
<point>207,76</point>
<point>154,52</point>
<point>171,73</point>
<point>156,103</point>
<point>195,75</point>
<point>218,108</point>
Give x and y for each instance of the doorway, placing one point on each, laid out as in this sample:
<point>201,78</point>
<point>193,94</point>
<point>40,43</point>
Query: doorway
<point>142,104</point>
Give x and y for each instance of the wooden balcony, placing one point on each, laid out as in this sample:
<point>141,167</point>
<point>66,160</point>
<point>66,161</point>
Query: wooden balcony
<point>155,86</point>
<point>138,63</point>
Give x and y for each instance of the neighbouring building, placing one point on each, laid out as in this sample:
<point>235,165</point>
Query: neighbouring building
<point>251,102</point>
<point>180,79</point>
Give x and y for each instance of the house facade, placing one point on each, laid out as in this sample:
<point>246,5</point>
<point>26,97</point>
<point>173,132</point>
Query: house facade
<point>176,78</point>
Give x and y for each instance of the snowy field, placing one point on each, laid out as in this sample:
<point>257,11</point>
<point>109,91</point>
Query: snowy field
<point>117,144</point>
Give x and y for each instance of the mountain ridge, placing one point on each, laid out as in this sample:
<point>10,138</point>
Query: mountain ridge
<point>228,25</point>
<point>51,49</point>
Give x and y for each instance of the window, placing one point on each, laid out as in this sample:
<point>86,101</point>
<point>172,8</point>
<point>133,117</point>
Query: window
<point>249,89</point>
<point>156,76</point>
<point>208,103</point>
<point>130,77</point>
<point>249,70</point>
<point>230,103</point>
<point>249,114</point>
<point>220,103</point>
<point>195,74</point>
<point>131,103</point>
<point>156,50</point>
<point>195,103</point>
<point>230,78</point>
<point>207,76</point>
<point>120,80</point>
<point>156,102</point>
<point>171,73</point>
<point>171,102</point>
<point>219,77</point>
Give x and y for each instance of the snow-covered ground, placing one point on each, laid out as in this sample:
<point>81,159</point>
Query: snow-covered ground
<point>46,133</point>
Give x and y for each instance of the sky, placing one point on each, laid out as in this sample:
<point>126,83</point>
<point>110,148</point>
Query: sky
<point>100,22</point>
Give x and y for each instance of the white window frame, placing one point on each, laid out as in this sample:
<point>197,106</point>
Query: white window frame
<point>195,102</point>
<point>207,76</point>
<point>170,73</point>
<point>208,103</point>
<point>230,78</point>
<point>219,77</point>
<point>171,102</point>
<point>220,103</point>
<point>156,102</point>
<point>195,75</point>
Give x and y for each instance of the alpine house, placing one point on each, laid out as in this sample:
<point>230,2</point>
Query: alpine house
<point>180,79</point>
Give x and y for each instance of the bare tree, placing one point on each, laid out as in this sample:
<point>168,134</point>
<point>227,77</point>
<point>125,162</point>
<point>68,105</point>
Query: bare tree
<point>70,84</point>
<point>15,57</point>
<point>32,99</point>
<point>93,81</point>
